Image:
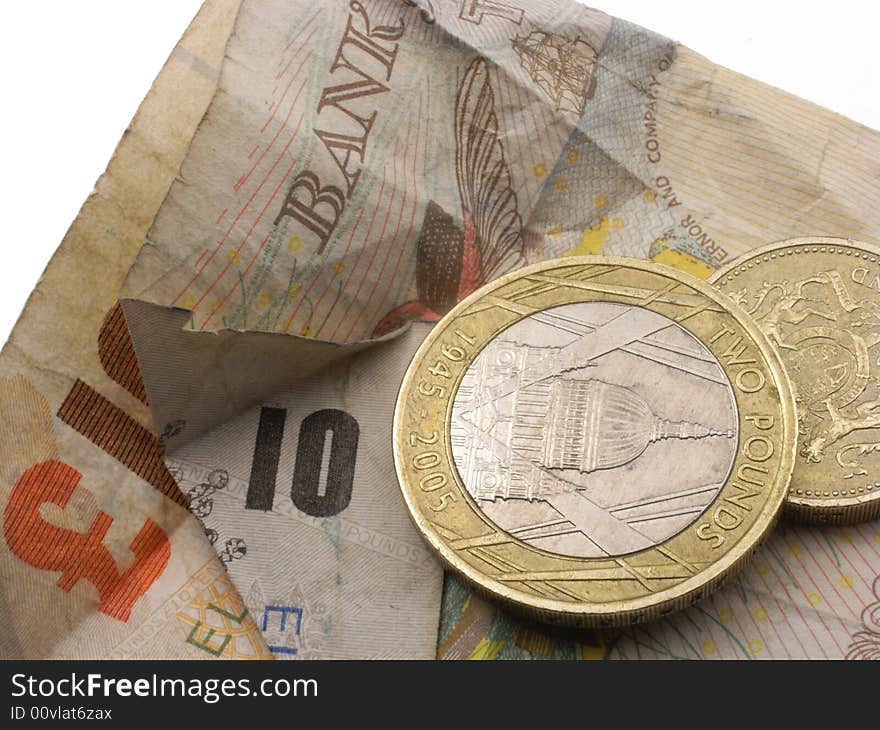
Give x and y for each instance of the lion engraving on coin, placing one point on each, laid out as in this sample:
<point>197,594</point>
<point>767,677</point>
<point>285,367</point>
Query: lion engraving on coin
<point>816,320</point>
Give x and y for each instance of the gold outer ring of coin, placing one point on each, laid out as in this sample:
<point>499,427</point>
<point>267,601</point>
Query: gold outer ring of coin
<point>839,499</point>
<point>586,591</point>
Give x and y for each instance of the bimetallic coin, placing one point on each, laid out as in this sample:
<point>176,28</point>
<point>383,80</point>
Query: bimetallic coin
<point>596,441</point>
<point>818,300</point>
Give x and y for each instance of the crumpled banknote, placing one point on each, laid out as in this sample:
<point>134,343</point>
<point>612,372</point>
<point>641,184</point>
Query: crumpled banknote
<point>362,166</point>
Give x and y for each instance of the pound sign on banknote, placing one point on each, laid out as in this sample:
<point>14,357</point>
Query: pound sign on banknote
<point>79,555</point>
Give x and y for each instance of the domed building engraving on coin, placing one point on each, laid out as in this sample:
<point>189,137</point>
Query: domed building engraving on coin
<point>605,458</point>
<point>818,300</point>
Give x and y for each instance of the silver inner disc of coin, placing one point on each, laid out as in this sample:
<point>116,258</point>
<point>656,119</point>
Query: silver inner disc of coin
<point>594,429</point>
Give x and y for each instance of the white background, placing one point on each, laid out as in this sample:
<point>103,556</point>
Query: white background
<point>75,71</point>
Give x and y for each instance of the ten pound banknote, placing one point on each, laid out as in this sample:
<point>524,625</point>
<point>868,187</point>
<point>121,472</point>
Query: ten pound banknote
<point>361,166</point>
